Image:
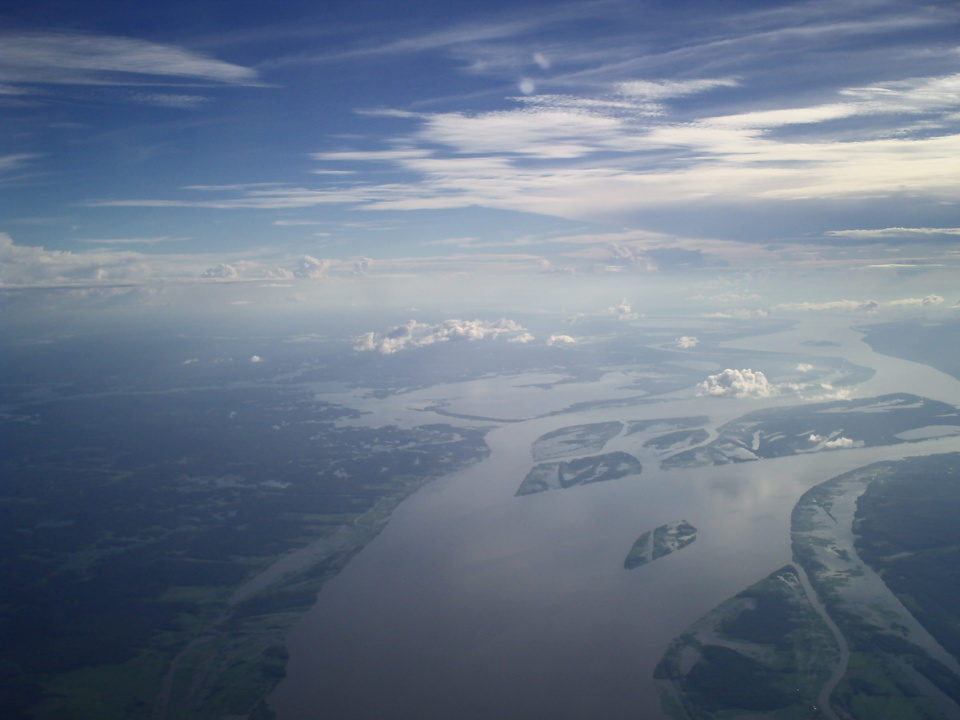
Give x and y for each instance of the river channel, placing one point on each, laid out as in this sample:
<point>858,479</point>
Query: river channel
<point>474,603</point>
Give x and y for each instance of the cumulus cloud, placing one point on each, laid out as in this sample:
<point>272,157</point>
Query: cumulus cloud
<point>22,265</point>
<point>685,342</point>
<point>522,338</point>
<point>256,359</point>
<point>824,392</point>
<point>361,266</point>
<point>733,383</point>
<point>414,334</point>
<point>804,367</point>
<point>620,254</point>
<point>554,340</point>
<point>310,267</point>
<point>223,271</point>
<point>623,311</point>
<point>840,442</point>
<point>25,265</point>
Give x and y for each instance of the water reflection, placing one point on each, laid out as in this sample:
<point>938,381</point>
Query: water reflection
<point>474,603</point>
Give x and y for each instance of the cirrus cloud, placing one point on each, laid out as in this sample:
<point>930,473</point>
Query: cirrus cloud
<point>84,59</point>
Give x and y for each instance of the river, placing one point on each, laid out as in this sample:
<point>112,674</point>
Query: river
<point>474,603</point>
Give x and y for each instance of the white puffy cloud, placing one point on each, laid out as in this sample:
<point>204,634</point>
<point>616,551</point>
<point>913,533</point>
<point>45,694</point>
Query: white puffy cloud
<point>623,311</point>
<point>824,392</point>
<point>522,338</point>
<point>804,367</point>
<point>22,265</point>
<point>554,340</point>
<point>733,383</point>
<point>223,271</point>
<point>361,266</point>
<point>256,359</point>
<point>685,342</point>
<point>840,442</point>
<point>25,265</point>
<point>311,268</point>
<point>414,334</point>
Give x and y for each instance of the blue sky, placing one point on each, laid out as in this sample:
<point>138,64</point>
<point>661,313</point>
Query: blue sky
<point>213,141</point>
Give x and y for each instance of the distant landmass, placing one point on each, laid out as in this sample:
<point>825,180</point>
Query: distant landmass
<point>936,344</point>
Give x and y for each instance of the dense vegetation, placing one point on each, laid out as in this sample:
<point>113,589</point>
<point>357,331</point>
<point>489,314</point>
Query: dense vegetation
<point>127,522</point>
<point>765,650</point>
<point>907,531</point>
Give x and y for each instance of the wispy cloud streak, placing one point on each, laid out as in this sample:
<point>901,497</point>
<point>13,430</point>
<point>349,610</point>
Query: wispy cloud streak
<point>81,59</point>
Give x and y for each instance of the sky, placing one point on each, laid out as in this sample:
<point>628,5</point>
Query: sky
<point>251,142</point>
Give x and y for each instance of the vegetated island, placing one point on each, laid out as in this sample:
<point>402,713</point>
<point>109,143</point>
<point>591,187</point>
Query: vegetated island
<point>666,539</point>
<point>591,469</point>
<point>677,440</point>
<point>680,423</point>
<point>778,432</point>
<point>574,440</point>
